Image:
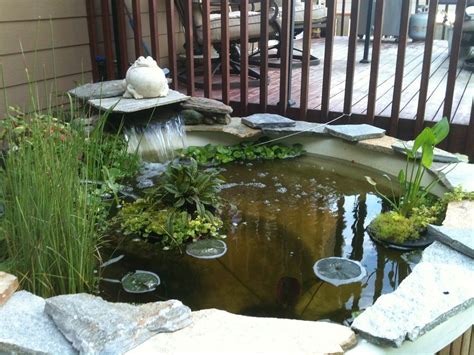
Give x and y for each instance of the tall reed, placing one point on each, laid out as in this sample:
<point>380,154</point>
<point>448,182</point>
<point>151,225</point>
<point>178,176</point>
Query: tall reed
<point>49,226</point>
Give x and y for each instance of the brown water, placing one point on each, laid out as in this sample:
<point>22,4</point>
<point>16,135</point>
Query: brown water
<point>288,215</point>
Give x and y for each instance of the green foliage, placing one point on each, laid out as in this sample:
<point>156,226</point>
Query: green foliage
<point>410,178</point>
<point>172,227</point>
<point>220,154</point>
<point>394,227</point>
<point>186,187</point>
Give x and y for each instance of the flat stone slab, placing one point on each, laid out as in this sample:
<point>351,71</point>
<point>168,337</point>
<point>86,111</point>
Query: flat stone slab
<point>26,329</point>
<point>460,214</point>
<point>432,293</point>
<point>267,120</point>
<point>126,105</point>
<point>203,104</point>
<point>8,285</point>
<point>99,90</point>
<point>355,132</point>
<point>235,128</point>
<point>454,175</point>
<point>381,145</point>
<point>459,239</point>
<point>305,128</point>
<point>439,155</point>
<point>216,332</point>
<point>95,326</point>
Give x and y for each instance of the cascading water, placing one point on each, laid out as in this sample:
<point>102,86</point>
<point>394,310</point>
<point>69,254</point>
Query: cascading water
<point>158,141</point>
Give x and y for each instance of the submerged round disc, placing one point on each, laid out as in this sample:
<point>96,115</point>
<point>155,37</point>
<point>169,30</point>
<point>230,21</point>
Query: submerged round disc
<point>140,282</point>
<point>339,271</point>
<point>207,249</point>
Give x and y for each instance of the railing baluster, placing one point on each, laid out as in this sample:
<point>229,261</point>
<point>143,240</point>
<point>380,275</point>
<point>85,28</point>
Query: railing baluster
<point>107,28</point>
<point>189,35</point>
<point>206,38</point>
<point>425,73</point>
<point>244,56</point>
<point>92,30</point>
<point>351,56</point>
<point>470,138</point>
<point>154,35</point>
<point>328,50</point>
<point>374,65</point>
<point>284,51</point>
<point>399,69</point>
<point>122,38</point>
<point>343,9</point>
<point>454,57</point>
<point>137,28</point>
<point>171,26</point>
<point>308,19</point>
<point>263,48</point>
<point>225,57</point>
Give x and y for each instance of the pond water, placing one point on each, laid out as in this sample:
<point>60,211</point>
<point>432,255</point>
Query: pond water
<point>287,215</point>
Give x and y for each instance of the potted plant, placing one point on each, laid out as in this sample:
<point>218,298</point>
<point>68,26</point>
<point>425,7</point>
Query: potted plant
<point>404,226</point>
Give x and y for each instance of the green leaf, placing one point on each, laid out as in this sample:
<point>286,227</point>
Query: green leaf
<point>401,177</point>
<point>440,130</point>
<point>427,155</point>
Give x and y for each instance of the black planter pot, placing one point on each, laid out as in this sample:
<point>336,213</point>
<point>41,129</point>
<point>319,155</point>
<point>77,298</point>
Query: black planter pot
<point>420,243</point>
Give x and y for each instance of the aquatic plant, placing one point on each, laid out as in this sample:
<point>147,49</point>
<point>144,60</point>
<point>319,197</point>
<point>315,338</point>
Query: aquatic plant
<point>220,154</point>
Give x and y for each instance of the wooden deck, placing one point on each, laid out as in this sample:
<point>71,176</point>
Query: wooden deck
<point>463,94</point>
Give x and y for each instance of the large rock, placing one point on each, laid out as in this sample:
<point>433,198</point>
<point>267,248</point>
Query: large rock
<point>267,120</point>
<point>96,326</point>
<point>204,105</point>
<point>8,285</point>
<point>218,332</point>
<point>301,128</point>
<point>26,329</point>
<point>459,239</point>
<point>355,132</point>
<point>433,292</point>
<point>454,175</point>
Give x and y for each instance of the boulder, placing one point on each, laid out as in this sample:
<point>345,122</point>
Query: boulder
<point>93,325</point>
<point>204,105</point>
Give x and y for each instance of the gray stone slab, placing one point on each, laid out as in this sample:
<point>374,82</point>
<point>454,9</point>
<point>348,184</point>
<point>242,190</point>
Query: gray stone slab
<point>437,289</point>
<point>96,326</point>
<point>267,120</point>
<point>103,89</point>
<point>205,105</point>
<point>355,132</point>
<point>459,239</point>
<point>125,105</point>
<point>235,128</point>
<point>439,155</point>
<point>305,128</point>
<point>26,329</point>
<point>454,175</point>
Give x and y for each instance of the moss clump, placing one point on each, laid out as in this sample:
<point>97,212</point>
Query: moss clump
<point>394,227</point>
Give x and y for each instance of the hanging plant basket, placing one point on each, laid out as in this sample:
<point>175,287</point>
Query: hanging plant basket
<point>207,249</point>
<point>339,271</point>
<point>140,282</point>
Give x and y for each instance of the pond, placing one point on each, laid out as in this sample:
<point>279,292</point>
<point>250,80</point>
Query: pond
<point>286,215</point>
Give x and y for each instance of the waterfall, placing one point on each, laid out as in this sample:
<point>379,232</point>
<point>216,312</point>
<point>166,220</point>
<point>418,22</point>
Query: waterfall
<point>158,141</point>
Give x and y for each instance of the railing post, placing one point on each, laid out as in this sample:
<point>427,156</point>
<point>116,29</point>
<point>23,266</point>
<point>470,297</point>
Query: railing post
<point>109,53</point>
<point>137,28</point>
<point>171,26</point>
<point>122,38</point>
<point>328,50</point>
<point>154,35</point>
<point>284,51</point>
<point>308,20</point>
<point>225,56</point>
<point>351,56</point>
<point>244,56</point>
<point>189,35</point>
<point>263,48</point>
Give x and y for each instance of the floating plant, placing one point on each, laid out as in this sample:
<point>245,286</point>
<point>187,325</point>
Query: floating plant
<point>339,271</point>
<point>140,282</point>
<point>207,249</point>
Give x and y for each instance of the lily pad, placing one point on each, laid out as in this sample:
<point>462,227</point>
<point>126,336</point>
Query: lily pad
<point>140,282</point>
<point>207,249</point>
<point>339,271</point>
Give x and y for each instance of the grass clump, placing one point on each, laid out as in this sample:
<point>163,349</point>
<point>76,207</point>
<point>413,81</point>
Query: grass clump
<point>51,228</point>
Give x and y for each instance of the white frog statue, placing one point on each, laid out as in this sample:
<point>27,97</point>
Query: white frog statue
<point>145,79</point>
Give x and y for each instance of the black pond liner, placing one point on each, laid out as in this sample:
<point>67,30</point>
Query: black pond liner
<point>425,240</point>
<point>207,249</point>
<point>140,282</point>
<point>339,271</point>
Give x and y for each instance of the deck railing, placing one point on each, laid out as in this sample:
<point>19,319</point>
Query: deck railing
<point>114,20</point>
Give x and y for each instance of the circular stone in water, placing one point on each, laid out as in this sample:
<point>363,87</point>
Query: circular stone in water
<point>207,249</point>
<point>339,271</point>
<point>140,281</point>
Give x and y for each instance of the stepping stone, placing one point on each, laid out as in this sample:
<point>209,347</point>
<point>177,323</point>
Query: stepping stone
<point>305,128</point>
<point>454,175</point>
<point>439,155</point>
<point>459,239</point>
<point>26,329</point>
<point>95,326</point>
<point>216,332</point>
<point>8,285</point>
<point>355,132</point>
<point>126,105</point>
<point>99,90</point>
<point>267,120</point>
